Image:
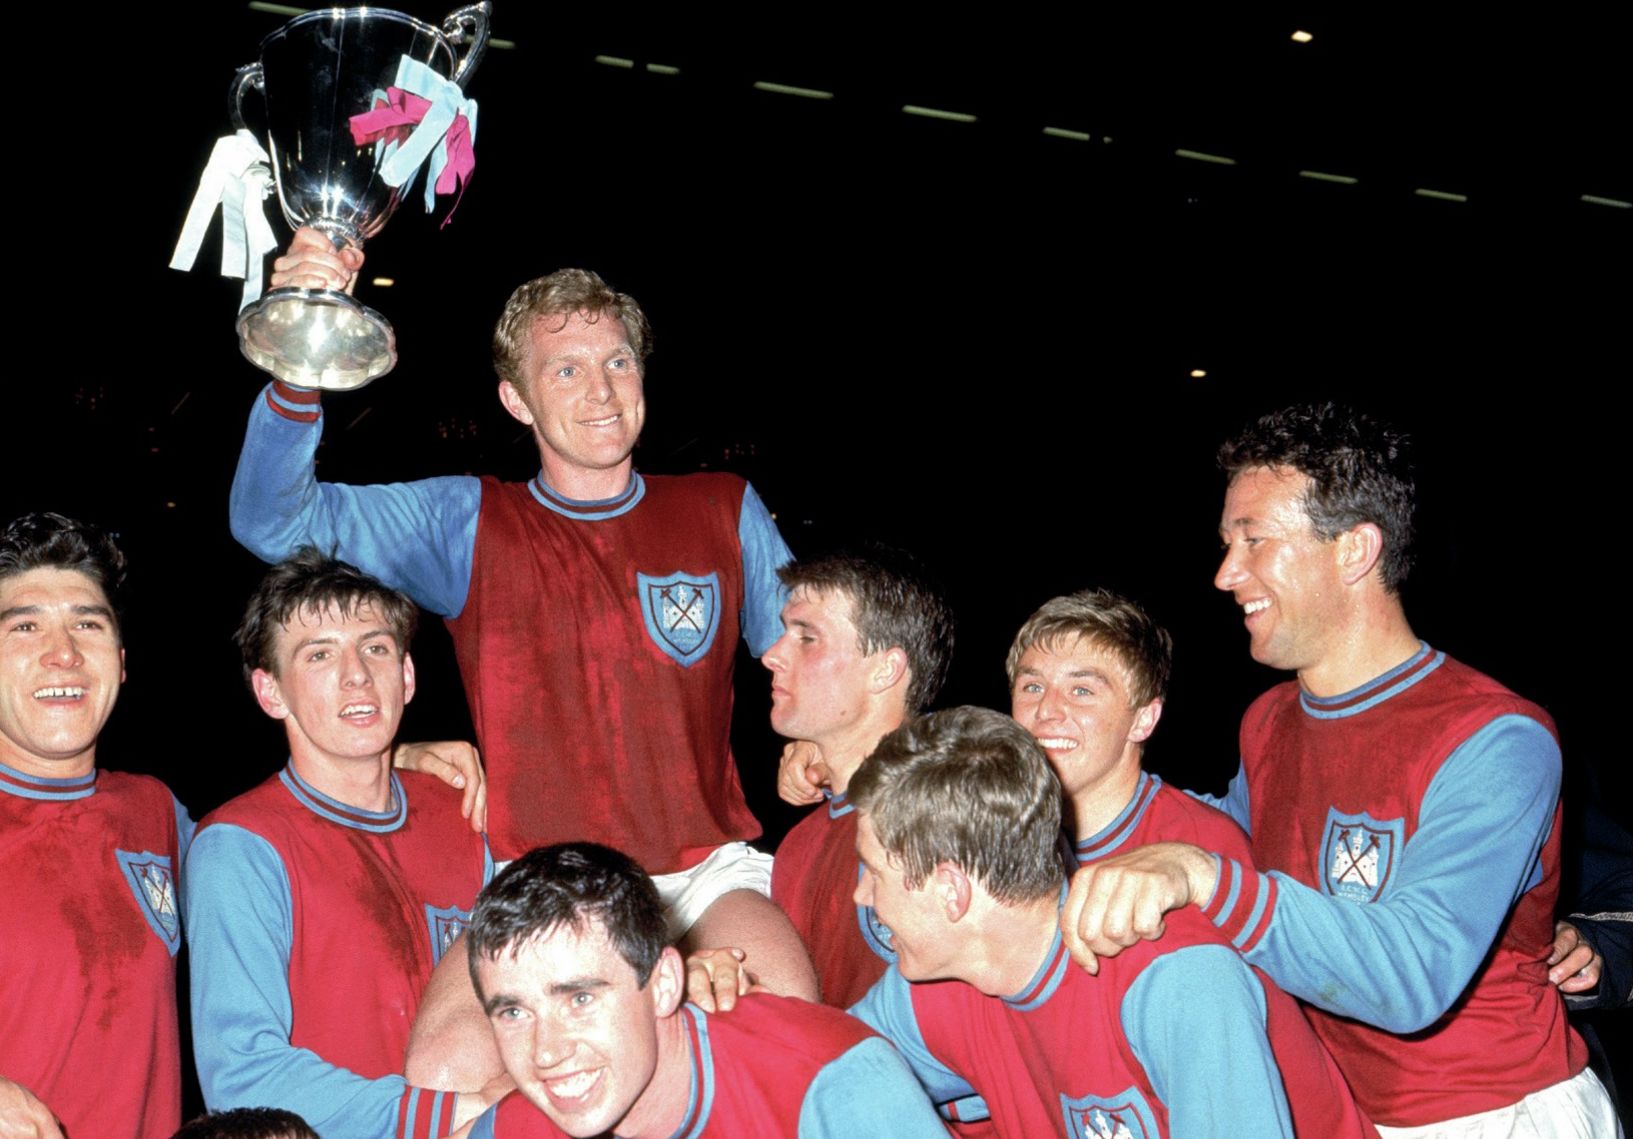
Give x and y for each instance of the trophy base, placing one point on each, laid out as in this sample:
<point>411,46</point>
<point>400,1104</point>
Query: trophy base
<point>317,338</point>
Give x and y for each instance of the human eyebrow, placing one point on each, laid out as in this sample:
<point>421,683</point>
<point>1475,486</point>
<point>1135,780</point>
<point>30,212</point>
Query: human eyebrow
<point>498,1002</point>
<point>578,985</point>
<point>19,611</point>
<point>101,611</point>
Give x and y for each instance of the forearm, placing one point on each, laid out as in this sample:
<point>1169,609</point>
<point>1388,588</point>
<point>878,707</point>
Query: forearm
<point>240,934</point>
<point>418,537</point>
<point>1400,961</point>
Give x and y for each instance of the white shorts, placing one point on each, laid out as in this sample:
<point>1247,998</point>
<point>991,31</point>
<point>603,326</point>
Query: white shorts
<point>1577,1108</point>
<point>687,893</point>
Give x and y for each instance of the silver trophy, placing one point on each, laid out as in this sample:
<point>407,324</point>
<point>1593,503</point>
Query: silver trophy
<point>317,73</point>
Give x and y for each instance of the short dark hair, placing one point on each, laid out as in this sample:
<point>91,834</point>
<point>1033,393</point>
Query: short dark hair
<point>43,540</point>
<point>1360,470</point>
<point>570,885</point>
<point>313,581</point>
<point>562,294</point>
<point>893,604</point>
<point>1109,621</point>
<point>968,786</point>
<point>247,1123</point>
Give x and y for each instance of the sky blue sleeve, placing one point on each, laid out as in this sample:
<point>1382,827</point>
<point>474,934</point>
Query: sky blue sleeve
<point>419,537</point>
<point>887,1008</point>
<point>764,552</point>
<point>239,934</point>
<point>868,1091</point>
<point>1400,962</point>
<point>1196,1020</point>
<point>1234,803</point>
<point>482,1128</point>
<point>184,830</point>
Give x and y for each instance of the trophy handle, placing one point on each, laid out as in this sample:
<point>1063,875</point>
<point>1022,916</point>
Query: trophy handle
<point>468,26</point>
<point>248,76</point>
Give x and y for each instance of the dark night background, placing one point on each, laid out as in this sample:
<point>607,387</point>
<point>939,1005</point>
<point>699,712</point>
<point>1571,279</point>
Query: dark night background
<point>970,339</point>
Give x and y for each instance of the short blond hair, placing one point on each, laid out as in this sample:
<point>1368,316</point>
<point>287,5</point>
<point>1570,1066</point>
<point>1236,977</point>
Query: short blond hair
<point>562,293</point>
<point>1108,621</point>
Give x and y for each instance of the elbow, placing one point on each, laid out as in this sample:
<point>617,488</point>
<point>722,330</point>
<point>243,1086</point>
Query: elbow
<point>256,539</point>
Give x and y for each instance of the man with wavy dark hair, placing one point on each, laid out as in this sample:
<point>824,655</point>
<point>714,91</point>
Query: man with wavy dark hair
<point>571,957</point>
<point>1403,809</point>
<point>87,968</point>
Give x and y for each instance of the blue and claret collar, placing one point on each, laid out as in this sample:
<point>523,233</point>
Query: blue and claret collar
<point>589,510</point>
<point>376,822</point>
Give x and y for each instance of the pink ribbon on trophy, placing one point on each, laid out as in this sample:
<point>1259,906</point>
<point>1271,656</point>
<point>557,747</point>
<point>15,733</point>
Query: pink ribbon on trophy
<point>421,116</point>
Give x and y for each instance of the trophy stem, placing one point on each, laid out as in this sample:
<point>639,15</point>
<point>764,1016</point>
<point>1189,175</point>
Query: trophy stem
<point>342,233</point>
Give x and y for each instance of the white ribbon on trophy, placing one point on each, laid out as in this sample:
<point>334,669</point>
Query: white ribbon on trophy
<point>238,178</point>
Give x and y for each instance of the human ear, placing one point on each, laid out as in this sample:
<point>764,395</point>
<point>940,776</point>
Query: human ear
<point>514,403</point>
<point>268,695</point>
<point>1145,722</point>
<point>1359,549</point>
<point>952,887</point>
<point>668,982</point>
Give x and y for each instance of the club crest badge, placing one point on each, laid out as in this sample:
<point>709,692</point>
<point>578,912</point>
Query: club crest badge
<point>1358,855</point>
<point>445,924</point>
<point>151,879</point>
<point>682,612</point>
<point>1122,1116</point>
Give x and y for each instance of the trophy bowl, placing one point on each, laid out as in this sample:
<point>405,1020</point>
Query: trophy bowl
<point>315,74</point>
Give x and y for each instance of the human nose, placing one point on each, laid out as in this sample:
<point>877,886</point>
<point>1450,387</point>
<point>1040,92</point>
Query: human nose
<point>355,669</point>
<point>600,389</point>
<point>772,657</point>
<point>62,649</point>
<point>551,1043</point>
<point>1049,706</point>
<point>1231,574</point>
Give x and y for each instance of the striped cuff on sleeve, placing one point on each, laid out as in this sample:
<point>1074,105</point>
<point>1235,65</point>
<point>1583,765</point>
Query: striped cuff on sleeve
<point>1242,904</point>
<point>298,404</point>
<point>425,1114</point>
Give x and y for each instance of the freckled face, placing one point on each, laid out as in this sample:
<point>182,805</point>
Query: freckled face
<point>1073,697</point>
<point>575,1031</point>
<point>582,394</point>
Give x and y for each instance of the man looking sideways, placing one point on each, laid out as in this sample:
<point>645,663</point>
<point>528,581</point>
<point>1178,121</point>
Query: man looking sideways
<point>959,839</point>
<point>87,971</point>
<point>1403,807</point>
<point>319,902</point>
<point>569,954</point>
<point>866,643</point>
